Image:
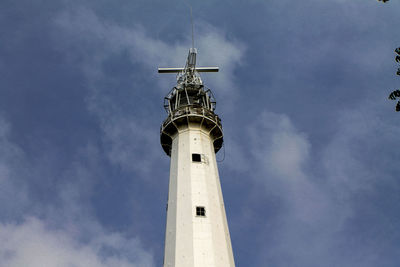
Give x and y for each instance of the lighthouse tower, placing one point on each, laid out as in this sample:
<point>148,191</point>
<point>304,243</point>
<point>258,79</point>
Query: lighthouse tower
<point>197,233</point>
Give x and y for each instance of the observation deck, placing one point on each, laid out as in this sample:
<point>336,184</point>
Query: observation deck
<point>185,116</point>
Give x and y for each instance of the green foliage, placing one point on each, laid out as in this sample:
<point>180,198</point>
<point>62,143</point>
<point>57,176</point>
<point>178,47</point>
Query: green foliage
<point>396,94</point>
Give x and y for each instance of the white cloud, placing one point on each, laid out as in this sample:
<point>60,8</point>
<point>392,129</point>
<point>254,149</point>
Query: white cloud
<point>84,27</point>
<point>360,152</point>
<point>319,191</point>
<point>216,50</point>
<point>131,144</point>
<point>67,234</point>
<point>278,146</point>
<point>281,154</point>
<point>32,244</point>
<point>11,166</point>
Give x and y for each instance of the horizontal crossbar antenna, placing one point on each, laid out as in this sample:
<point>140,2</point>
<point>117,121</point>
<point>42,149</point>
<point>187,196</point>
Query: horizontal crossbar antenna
<point>198,69</point>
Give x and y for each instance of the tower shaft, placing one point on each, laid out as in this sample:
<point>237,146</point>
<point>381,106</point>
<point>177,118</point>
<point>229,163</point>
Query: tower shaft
<point>197,231</point>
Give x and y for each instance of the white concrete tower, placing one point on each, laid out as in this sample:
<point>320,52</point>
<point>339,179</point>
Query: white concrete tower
<point>197,233</point>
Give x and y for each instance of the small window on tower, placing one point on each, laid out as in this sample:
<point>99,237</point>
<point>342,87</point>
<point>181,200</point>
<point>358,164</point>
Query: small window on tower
<point>200,211</point>
<point>196,157</point>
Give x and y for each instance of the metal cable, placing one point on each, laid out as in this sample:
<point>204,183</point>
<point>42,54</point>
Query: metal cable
<point>223,158</point>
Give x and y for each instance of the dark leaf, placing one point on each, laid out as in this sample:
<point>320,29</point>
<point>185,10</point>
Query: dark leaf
<point>394,94</point>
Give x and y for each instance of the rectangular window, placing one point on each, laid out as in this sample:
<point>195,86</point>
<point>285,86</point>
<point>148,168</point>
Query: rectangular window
<point>196,157</point>
<point>200,211</point>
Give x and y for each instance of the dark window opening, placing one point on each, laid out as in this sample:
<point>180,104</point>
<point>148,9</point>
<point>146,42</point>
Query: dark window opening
<point>200,211</point>
<point>196,157</point>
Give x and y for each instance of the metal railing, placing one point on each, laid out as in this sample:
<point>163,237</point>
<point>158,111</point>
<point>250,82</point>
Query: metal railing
<point>191,110</point>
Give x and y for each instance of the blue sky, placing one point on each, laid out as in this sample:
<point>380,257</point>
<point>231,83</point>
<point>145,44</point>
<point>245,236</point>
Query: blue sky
<point>311,173</point>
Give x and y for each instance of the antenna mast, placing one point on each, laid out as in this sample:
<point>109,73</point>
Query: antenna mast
<point>191,21</point>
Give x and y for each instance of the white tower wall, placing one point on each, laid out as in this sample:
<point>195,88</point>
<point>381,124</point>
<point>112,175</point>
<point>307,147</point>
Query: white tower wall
<point>195,240</point>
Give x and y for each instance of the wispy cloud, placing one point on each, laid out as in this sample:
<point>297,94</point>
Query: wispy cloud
<point>281,154</point>
<point>63,232</point>
<point>83,26</point>
<point>278,146</point>
<point>11,169</point>
<point>322,191</point>
<point>32,243</point>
